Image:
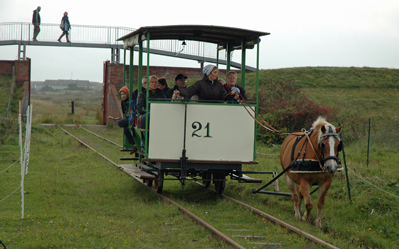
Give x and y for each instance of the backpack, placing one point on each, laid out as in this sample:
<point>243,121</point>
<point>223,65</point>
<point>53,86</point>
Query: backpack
<point>62,26</point>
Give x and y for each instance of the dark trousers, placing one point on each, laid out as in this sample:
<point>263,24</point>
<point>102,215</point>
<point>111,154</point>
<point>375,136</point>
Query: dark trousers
<point>36,31</point>
<point>125,124</point>
<point>64,33</point>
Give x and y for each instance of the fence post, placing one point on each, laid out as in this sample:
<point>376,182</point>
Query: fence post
<point>287,122</point>
<point>73,107</point>
<point>346,168</point>
<point>368,145</point>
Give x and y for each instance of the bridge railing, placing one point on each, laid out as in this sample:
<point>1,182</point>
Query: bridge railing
<point>51,32</point>
<point>85,34</point>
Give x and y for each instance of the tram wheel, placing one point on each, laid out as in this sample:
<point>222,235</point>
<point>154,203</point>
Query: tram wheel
<point>148,182</point>
<point>220,184</point>
<point>158,183</point>
<point>206,179</point>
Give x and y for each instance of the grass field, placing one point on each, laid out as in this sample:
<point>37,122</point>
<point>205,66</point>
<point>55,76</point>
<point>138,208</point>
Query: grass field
<point>75,199</point>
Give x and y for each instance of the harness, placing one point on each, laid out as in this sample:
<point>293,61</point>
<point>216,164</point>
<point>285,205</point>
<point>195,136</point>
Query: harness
<point>301,166</point>
<point>312,165</point>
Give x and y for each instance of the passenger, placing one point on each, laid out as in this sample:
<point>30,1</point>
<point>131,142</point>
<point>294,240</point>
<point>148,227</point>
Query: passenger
<point>143,88</point>
<point>154,94</point>
<point>126,118</point>
<point>209,88</point>
<point>180,83</point>
<point>233,90</point>
<point>163,85</point>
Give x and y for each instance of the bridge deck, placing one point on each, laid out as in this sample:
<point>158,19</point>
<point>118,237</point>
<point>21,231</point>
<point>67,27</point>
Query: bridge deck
<point>105,37</point>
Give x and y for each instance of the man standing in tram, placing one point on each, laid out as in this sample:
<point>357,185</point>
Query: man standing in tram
<point>233,90</point>
<point>180,83</point>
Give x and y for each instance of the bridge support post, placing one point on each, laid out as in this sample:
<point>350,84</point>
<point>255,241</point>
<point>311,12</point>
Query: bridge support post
<point>115,55</point>
<point>21,52</point>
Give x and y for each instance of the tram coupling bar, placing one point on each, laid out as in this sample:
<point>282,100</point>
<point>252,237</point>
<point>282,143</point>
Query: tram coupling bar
<point>272,192</point>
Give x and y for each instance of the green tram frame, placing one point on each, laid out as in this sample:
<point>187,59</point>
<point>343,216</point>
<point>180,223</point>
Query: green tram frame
<point>226,38</point>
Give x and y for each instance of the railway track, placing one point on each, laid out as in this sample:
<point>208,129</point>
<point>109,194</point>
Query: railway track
<point>234,227</point>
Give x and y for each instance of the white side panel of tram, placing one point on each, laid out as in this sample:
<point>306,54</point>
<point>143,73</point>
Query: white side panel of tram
<point>213,132</point>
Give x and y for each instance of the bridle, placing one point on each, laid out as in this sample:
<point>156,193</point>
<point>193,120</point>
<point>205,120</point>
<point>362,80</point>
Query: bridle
<point>320,145</point>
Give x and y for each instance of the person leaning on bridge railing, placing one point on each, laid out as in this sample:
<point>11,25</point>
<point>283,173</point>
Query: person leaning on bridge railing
<point>65,26</point>
<point>36,22</point>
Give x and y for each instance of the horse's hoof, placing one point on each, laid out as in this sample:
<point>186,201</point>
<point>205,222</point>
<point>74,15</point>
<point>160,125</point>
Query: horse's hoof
<point>317,223</point>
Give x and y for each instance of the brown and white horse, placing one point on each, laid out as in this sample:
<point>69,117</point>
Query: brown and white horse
<point>320,144</point>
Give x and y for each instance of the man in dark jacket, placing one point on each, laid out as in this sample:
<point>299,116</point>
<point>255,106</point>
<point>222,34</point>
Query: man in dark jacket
<point>209,88</point>
<point>180,83</point>
<point>36,22</point>
<point>233,90</point>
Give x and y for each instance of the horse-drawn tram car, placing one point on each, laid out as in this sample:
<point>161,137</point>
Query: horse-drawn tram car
<point>189,139</point>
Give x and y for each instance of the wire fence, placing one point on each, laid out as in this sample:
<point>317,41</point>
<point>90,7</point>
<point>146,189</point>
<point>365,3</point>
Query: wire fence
<point>9,166</point>
<point>364,180</point>
<point>24,154</point>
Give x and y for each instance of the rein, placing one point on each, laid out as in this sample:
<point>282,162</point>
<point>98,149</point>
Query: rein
<point>268,127</point>
<point>311,145</point>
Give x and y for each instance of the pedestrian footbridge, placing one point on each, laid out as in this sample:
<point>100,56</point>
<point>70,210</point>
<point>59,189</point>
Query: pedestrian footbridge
<point>21,33</point>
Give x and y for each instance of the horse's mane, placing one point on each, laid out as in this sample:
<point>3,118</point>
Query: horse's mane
<point>321,122</point>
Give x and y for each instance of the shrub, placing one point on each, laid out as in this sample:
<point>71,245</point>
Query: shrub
<point>284,107</point>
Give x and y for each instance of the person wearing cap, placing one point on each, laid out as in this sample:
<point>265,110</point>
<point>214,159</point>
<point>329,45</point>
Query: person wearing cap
<point>209,88</point>
<point>126,119</point>
<point>233,90</point>
<point>180,83</point>
<point>36,22</point>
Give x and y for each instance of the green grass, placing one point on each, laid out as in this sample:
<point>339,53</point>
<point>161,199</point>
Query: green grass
<point>332,77</point>
<point>75,199</point>
<point>56,107</point>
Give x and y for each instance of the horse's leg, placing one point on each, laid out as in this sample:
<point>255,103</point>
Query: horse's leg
<point>320,203</point>
<point>305,191</point>
<point>294,196</point>
<point>298,190</point>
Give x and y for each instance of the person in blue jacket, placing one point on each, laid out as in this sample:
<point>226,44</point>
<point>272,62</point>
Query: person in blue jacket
<point>65,27</point>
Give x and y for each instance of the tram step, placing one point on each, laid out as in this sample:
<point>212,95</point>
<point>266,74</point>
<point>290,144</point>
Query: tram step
<point>134,171</point>
<point>246,179</point>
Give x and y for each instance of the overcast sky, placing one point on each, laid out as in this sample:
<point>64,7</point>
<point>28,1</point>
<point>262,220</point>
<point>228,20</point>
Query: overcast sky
<point>358,33</point>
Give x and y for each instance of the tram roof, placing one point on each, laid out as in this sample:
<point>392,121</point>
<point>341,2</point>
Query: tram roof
<point>205,33</point>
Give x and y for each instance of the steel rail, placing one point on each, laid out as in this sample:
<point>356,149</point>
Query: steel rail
<point>184,210</point>
<point>109,141</point>
<point>282,223</point>
<point>261,213</point>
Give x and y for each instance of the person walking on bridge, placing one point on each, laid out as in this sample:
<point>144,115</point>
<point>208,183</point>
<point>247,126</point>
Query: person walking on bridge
<point>65,26</point>
<point>36,22</point>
